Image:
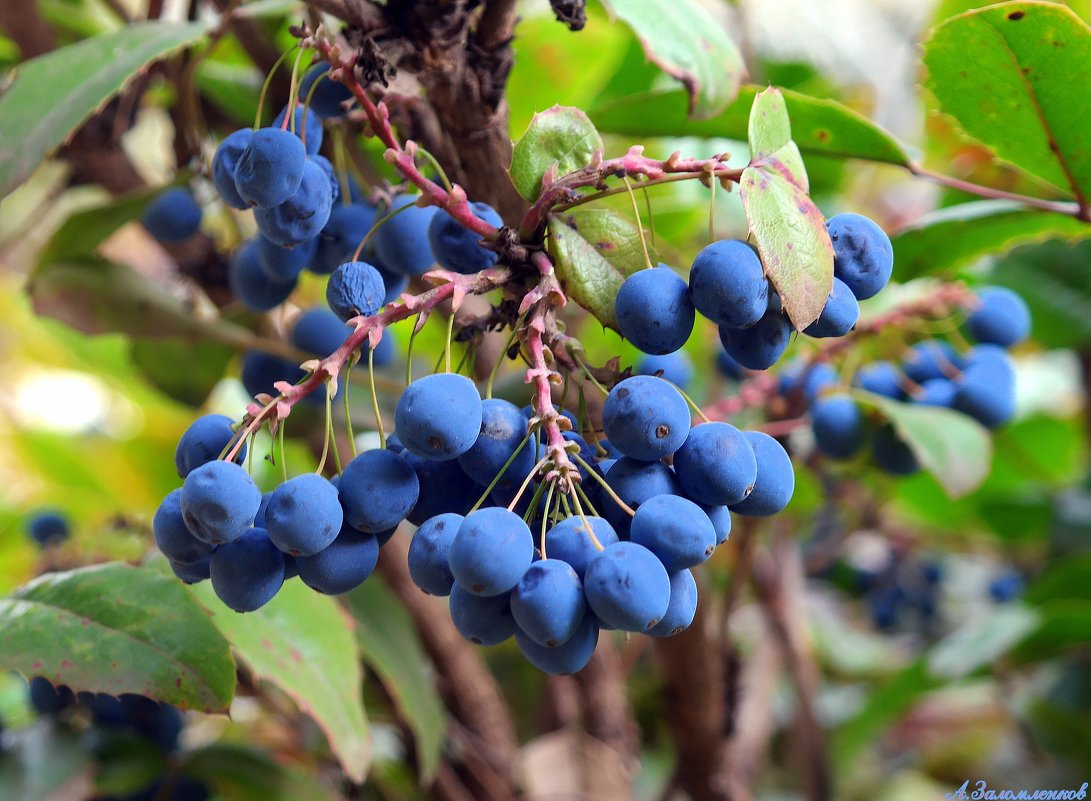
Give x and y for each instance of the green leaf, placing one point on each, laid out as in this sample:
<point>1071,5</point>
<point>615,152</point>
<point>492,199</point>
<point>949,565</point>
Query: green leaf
<point>184,369</point>
<point>389,642</point>
<point>770,135</point>
<point>1065,624</point>
<point>82,233</point>
<point>1069,578</point>
<point>52,95</point>
<point>1025,94</point>
<point>959,235</point>
<point>954,448</point>
<point>689,44</point>
<point>239,773</point>
<point>819,127</point>
<point>980,642</point>
<point>791,237</point>
<point>117,629</point>
<point>558,141</point>
<point>303,643</point>
<point>43,762</point>
<point>594,251</point>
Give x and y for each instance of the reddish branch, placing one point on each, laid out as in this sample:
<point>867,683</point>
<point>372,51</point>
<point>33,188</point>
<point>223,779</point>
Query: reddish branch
<point>562,190</point>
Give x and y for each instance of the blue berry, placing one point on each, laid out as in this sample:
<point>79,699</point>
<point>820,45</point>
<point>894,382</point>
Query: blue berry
<point>319,331</point>
<point>402,241</point>
<point>355,289</point>
<point>676,530</point>
<point>881,378</point>
<point>891,454</point>
<point>48,527</point>
<point>305,122</point>
<point>304,516</point>
<point>728,367</point>
<point>282,265</point>
<point>937,392</point>
<point>260,371</point>
<point>455,246</point>
<point>248,571</point>
<point>219,502</point>
<point>862,255</point>
<point>728,285</point>
<point>377,490</point>
<point>345,230</point>
<point>203,441</point>
<point>645,418</point>
<point>627,587</point>
<point>682,607</point>
<point>931,359</point>
<point>428,553</point>
<point>250,283</point>
<point>328,96</point>
<point>716,466</point>
<point>343,566</point>
<point>810,379</point>
<point>439,416</point>
<point>491,551</point>
<point>395,284</point>
<point>224,163</point>
<point>1006,587</point>
<point>548,603</point>
<point>482,620</point>
<point>838,425</point>
<point>761,345</point>
<point>193,573</point>
<point>503,429</point>
<point>654,310</point>
<point>720,517</point>
<point>332,178</point>
<point>1001,318</point>
<point>776,479</point>
<point>444,487</point>
<point>303,215</point>
<point>986,390</point>
<point>570,656</point>
<point>270,169</point>
<point>47,699</point>
<point>677,368</point>
<point>259,518</point>
<point>172,216</point>
<point>635,482</point>
<point>569,541</point>
<point>839,314</point>
<point>173,537</point>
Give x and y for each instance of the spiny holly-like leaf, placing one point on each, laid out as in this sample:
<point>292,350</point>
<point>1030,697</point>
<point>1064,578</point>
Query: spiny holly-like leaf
<point>558,141</point>
<point>52,95</point>
<point>594,251</point>
<point>959,235</point>
<point>390,645</point>
<point>686,42</point>
<point>956,449</point>
<point>117,629</point>
<point>792,239</point>
<point>1025,94</point>
<point>304,643</point>
<point>822,127</point>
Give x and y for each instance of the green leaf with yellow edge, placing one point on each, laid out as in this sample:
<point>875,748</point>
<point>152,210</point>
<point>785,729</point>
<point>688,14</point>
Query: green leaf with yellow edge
<point>957,236</point>
<point>390,645</point>
<point>52,95</point>
<point>116,629</point>
<point>819,127</point>
<point>956,449</point>
<point>689,44</point>
<point>594,251</point>
<point>558,141</point>
<point>304,643</point>
<point>1025,94</point>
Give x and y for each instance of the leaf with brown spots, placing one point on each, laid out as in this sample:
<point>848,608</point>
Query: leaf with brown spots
<point>594,252</point>
<point>117,629</point>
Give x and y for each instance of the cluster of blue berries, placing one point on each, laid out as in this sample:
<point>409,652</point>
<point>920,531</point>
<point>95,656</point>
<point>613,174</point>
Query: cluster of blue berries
<point>979,383</point>
<point>656,309</point>
<point>593,570</point>
<point>111,724</point>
